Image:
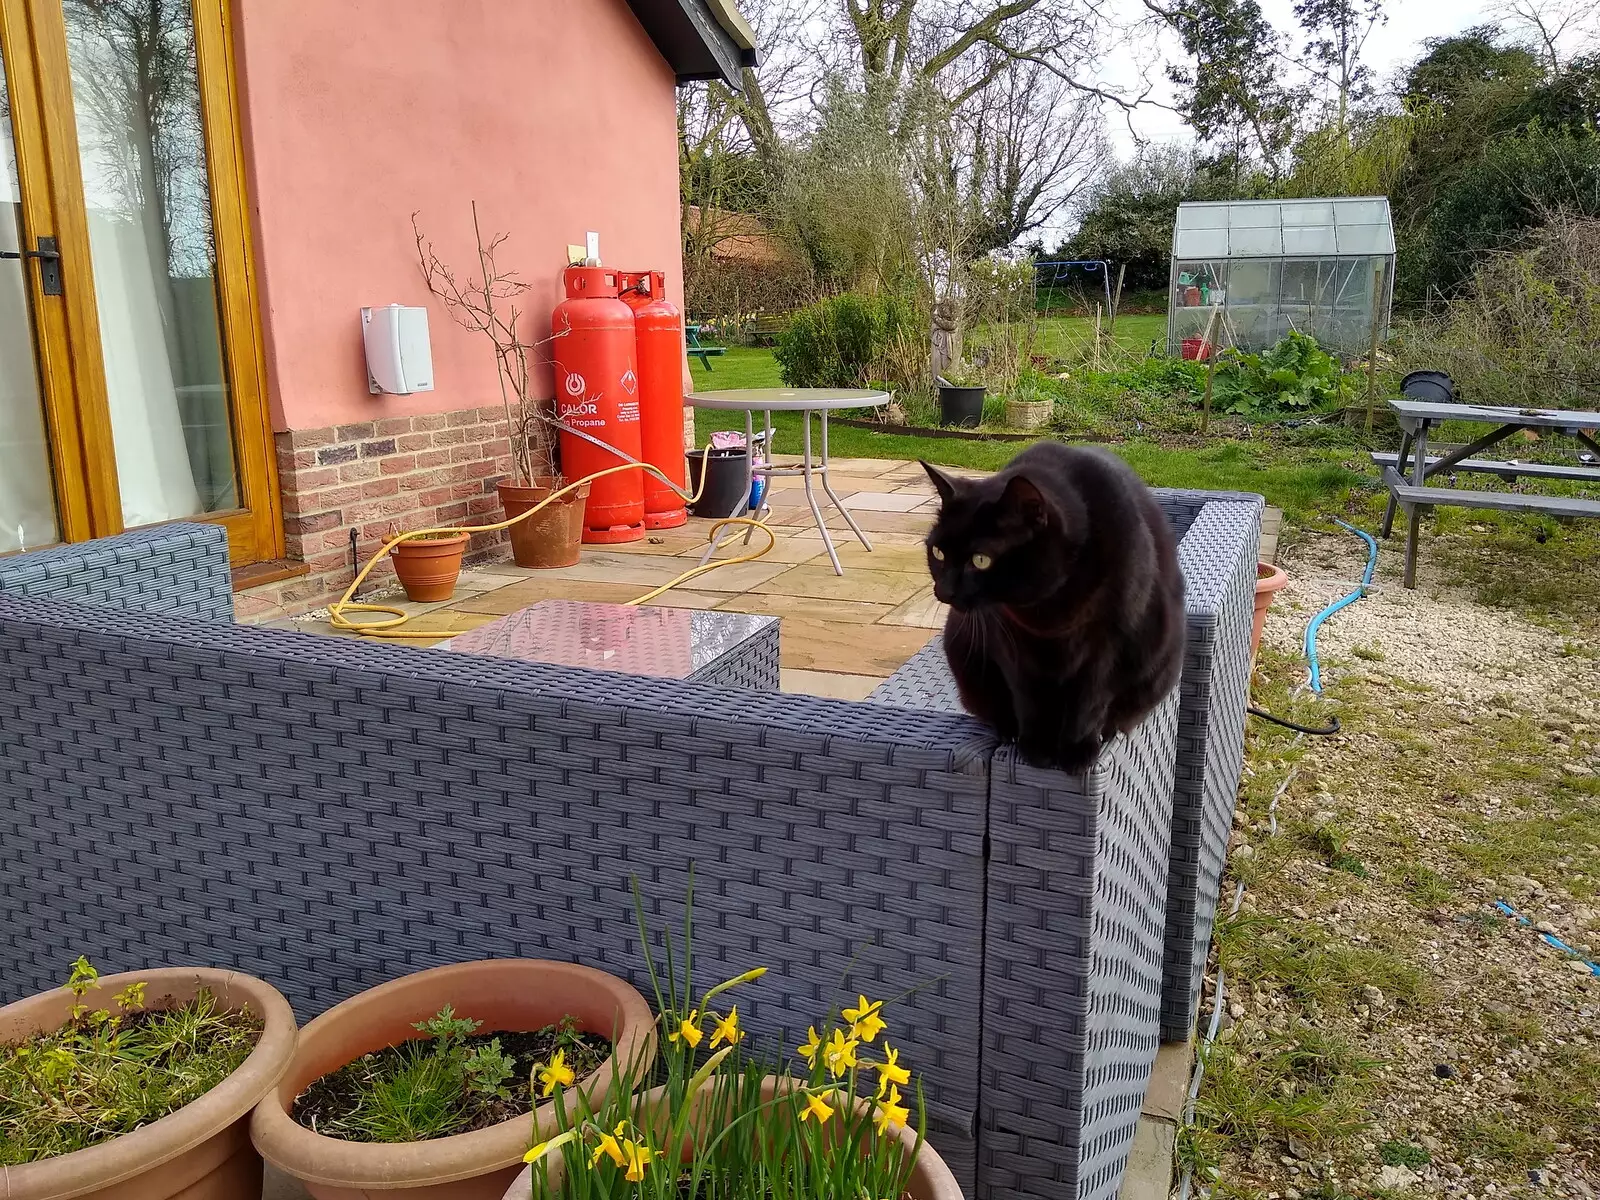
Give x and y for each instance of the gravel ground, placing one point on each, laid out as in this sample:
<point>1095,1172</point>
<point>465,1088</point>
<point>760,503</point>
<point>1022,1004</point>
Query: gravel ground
<point>1388,1032</point>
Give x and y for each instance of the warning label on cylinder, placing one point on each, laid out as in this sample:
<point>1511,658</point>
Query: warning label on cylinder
<point>628,411</point>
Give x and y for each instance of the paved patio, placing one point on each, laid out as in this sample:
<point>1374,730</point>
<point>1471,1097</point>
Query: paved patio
<point>842,635</point>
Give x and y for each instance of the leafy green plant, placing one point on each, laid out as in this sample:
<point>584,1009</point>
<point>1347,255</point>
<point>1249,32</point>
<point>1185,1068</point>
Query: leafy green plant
<point>1403,1154</point>
<point>749,1128</point>
<point>105,1073</point>
<point>451,1080</point>
<point>841,341</point>
<point>1294,375</point>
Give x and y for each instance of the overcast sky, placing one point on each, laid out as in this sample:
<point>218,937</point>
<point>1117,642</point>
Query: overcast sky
<point>1394,44</point>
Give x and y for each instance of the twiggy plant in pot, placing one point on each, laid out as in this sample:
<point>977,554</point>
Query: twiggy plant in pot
<point>486,303</point>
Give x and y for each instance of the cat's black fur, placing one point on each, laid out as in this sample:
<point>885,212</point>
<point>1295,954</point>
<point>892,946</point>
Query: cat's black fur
<point>1074,631</point>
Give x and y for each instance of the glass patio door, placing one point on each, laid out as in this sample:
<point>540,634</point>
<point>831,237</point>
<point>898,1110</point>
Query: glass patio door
<point>147,401</point>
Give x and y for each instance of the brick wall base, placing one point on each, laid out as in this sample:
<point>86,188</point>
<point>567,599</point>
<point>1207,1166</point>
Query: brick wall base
<point>380,478</point>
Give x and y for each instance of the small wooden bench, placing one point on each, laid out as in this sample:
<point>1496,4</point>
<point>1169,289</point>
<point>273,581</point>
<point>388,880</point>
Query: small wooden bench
<point>706,353</point>
<point>1503,470</point>
<point>765,330</point>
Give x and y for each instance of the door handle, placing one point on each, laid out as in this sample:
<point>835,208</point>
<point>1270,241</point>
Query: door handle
<point>49,256</point>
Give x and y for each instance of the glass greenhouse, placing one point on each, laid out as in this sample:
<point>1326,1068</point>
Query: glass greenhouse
<point>1253,270</point>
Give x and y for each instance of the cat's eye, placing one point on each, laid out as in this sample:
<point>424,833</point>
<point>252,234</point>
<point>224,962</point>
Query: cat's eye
<point>936,552</point>
<point>981,562</point>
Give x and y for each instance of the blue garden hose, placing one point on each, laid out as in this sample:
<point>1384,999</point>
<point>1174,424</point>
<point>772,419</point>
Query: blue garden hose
<point>1342,602</point>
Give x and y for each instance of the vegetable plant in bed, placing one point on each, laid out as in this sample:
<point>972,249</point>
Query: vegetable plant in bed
<point>426,1084</point>
<point>138,1085</point>
<point>727,1123</point>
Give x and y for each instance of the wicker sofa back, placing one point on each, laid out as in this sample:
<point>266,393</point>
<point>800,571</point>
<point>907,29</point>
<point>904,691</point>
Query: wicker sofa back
<point>331,813</point>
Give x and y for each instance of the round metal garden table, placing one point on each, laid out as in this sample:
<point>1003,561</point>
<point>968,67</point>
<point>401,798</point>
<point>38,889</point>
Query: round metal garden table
<point>805,401</point>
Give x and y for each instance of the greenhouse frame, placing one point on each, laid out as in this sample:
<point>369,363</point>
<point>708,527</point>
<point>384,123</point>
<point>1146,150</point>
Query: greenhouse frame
<point>1252,271</point>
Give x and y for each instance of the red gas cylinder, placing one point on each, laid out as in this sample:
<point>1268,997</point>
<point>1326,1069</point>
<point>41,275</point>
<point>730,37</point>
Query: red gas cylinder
<point>597,391</point>
<point>658,342</point>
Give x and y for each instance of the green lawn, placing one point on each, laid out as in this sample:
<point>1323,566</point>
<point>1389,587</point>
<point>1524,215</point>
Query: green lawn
<point>1304,481</point>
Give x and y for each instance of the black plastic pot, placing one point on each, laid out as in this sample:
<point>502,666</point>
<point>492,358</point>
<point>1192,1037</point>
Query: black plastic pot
<point>961,406</point>
<point>727,492</point>
<point>1435,387</point>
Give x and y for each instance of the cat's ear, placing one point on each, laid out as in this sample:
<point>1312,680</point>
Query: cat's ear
<point>943,484</point>
<point>1026,500</point>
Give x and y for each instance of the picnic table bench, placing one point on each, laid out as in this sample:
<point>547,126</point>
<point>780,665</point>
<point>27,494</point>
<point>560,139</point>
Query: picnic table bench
<point>1416,496</point>
<point>706,353</point>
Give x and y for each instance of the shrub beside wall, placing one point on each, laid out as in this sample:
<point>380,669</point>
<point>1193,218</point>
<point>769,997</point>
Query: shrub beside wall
<point>842,341</point>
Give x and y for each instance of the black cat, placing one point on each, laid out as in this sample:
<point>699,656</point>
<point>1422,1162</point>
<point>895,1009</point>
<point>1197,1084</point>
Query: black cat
<point>1066,603</point>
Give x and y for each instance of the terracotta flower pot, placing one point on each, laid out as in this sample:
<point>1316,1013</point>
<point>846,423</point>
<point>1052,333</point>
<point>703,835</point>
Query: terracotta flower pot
<point>931,1178</point>
<point>429,567</point>
<point>200,1152</point>
<point>506,993</point>
<point>552,538</point>
<point>1270,580</point>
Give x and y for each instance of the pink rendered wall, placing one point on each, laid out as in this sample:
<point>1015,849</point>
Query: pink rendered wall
<point>556,116</point>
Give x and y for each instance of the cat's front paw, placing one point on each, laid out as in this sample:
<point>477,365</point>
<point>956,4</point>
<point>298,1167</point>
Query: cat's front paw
<point>1078,758</point>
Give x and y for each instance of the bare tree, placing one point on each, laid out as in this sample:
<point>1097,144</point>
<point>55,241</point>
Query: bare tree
<point>1552,27</point>
<point>1337,32</point>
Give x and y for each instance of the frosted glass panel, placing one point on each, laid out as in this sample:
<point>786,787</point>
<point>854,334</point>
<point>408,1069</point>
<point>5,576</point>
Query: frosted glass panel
<point>1365,239</point>
<point>1363,212</point>
<point>1205,216</point>
<point>1256,243</point>
<point>1314,239</point>
<point>1203,243</point>
<point>1317,212</point>
<point>1250,216</point>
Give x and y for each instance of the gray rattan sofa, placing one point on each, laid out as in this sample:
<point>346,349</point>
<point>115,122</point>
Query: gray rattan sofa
<point>330,813</point>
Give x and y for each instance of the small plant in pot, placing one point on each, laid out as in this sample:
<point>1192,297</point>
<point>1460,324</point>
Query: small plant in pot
<point>729,1124</point>
<point>138,1084</point>
<point>425,1084</point>
<point>1028,407</point>
<point>486,304</point>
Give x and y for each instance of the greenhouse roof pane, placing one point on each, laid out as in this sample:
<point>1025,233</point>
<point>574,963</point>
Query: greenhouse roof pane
<point>1312,212</point>
<point>1366,239</point>
<point>1313,239</point>
<point>1201,243</point>
<point>1255,243</point>
<point>1339,227</point>
<point>1255,216</point>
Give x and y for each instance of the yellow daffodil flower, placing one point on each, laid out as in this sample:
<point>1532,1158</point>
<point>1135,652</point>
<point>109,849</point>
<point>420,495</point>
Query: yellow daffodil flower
<point>638,1156</point>
<point>608,1148</point>
<point>808,1049</point>
<point>865,1023</point>
<point>745,977</point>
<point>688,1030</point>
<point>891,1111</point>
<point>554,1143</point>
<point>840,1053</point>
<point>889,1070</point>
<point>727,1029</point>
<point>556,1074</point>
<point>816,1109</point>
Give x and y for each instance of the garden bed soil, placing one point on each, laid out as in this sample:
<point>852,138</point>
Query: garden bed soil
<point>331,1100</point>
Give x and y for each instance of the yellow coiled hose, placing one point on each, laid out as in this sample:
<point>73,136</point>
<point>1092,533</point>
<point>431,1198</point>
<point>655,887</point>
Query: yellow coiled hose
<point>390,627</point>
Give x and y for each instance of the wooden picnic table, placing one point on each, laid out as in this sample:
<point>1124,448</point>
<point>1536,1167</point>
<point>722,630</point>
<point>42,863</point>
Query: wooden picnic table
<point>1417,417</point>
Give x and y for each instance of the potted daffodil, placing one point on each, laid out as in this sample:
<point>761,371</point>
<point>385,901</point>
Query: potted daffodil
<point>724,1121</point>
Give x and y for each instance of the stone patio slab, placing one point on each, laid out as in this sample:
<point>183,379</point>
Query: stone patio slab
<point>876,587</point>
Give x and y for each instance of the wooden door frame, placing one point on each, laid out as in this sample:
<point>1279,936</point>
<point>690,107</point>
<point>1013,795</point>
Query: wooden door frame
<point>67,330</point>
